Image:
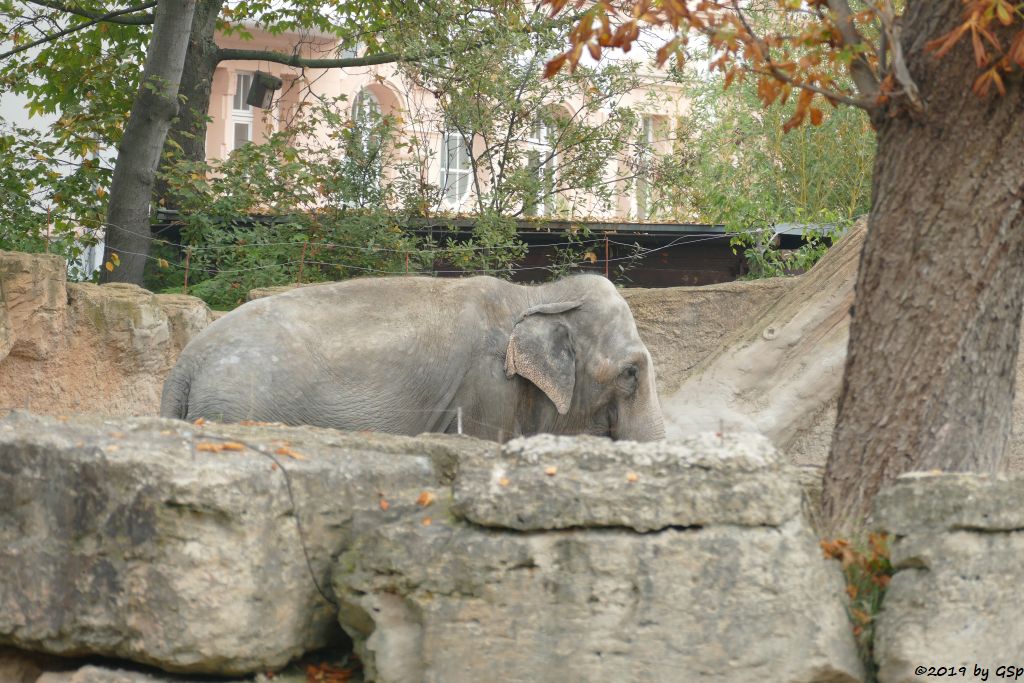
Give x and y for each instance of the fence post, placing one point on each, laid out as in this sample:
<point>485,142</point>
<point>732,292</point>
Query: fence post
<point>302,262</point>
<point>188,257</point>
<point>606,256</point>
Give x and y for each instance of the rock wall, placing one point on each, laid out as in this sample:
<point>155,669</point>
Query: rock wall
<point>133,550</point>
<point>959,539</point>
<point>230,550</point>
<point>69,348</point>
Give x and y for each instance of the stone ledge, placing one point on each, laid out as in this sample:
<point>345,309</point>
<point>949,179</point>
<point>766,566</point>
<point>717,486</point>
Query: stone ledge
<point>555,482</point>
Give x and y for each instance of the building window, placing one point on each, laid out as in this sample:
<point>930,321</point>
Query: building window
<point>241,113</point>
<point>456,167</point>
<point>365,149</point>
<point>645,157</point>
<point>540,160</point>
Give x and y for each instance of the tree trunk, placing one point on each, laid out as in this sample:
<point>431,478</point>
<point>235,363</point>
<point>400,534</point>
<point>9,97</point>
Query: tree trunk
<point>131,189</point>
<point>187,137</point>
<point>930,371</point>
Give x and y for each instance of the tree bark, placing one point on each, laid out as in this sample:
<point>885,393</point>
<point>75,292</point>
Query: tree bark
<point>187,136</point>
<point>127,226</point>
<point>930,370</point>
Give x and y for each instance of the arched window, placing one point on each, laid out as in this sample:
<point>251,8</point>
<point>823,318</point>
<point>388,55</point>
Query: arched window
<point>364,163</point>
<point>366,116</point>
<point>540,158</point>
<point>456,166</point>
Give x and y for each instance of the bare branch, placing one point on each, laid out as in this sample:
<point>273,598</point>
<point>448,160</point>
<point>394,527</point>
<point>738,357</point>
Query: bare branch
<point>860,70</point>
<point>225,54</point>
<point>73,29</point>
<point>891,36</point>
<point>129,21</point>
<point>867,103</point>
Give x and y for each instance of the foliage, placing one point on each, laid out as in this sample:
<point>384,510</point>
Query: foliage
<point>868,571</point>
<point>282,212</point>
<point>535,145</point>
<point>43,207</point>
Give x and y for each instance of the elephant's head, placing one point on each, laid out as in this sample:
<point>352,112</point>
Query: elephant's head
<point>583,353</point>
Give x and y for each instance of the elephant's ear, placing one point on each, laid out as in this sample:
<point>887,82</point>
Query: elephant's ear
<point>540,349</point>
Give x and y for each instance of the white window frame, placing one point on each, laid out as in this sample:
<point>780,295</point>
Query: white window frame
<point>451,177</point>
<point>241,113</point>
<point>367,114</point>
<point>642,188</point>
<point>542,161</point>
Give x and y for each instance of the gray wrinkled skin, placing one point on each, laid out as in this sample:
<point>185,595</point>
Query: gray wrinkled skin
<point>403,354</point>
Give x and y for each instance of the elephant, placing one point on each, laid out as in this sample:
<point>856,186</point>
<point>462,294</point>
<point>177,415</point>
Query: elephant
<point>407,355</point>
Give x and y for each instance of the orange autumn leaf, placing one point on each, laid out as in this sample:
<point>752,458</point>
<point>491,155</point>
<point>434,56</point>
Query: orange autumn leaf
<point>218,447</point>
<point>284,450</point>
<point>426,498</point>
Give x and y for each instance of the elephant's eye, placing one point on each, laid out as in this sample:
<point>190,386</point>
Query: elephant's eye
<point>629,378</point>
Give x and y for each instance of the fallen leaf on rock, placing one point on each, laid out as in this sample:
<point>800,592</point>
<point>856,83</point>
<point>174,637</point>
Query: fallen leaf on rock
<point>384,505</point>
<point>425,499</point>
<point>503,481</point>
<point>427,521</point>
<point>218,447</point>
<point>284,450</point>
<point>199,422</point>
<point>551,471</point>
<point>632,477</point>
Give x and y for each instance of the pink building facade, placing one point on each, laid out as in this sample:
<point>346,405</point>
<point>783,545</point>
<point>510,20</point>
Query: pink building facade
<point>443,160</point>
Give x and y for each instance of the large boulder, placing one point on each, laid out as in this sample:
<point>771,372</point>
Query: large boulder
<point>579,559</point>
<point>32,290</point>
<point>952,602</point>
<point>135,538</point>
<point>116,346</point>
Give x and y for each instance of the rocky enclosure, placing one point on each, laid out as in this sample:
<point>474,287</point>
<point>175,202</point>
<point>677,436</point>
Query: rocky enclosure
<point>166,549</point>
<point>185,547</point>
<point>764,356</point>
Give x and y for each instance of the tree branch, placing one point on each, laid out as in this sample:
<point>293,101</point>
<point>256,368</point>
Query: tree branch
<point>225,54</point>
<point>129,21</point>
<point>868,103</point>
<point>860,70</point>
<point>73,29</point>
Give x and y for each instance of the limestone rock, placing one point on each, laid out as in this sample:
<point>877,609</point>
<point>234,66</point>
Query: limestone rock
<point>433,596</point>
<point>558,482</point>
<point>187,317</point>
<point>32,287</point>
<point>97,674</point>
<point>6,334</point>
<point>130,321</point>
<point>19,667</point>
<point>127,538</point>
<point>953,600</point>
